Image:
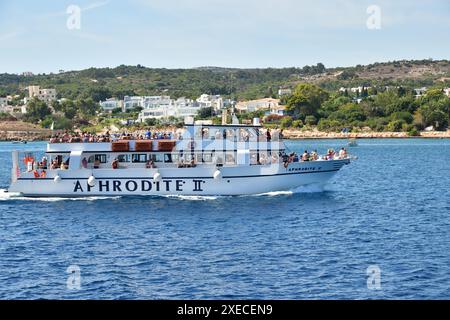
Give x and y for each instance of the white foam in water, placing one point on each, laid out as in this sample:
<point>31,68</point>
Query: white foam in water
<point>311,188</point>
<point>273,194</point>
<point>5,195</point>
<point>192,198</point>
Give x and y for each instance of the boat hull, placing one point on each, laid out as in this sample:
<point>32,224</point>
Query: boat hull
<point>178,181</point>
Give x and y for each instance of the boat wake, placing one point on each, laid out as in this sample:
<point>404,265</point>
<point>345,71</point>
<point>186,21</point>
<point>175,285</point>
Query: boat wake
<point>5,195</point>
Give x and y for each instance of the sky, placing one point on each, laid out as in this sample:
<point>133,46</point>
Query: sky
<point>45,36</point>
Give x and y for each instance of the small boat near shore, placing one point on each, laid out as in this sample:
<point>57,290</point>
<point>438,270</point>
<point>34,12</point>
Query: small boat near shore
<point>205,160</point>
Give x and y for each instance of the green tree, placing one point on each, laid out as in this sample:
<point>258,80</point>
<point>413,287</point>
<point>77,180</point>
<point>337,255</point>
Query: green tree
<point>310,120</point>
<point>205,113</point>
<point>286,122</point>
<point>434,114</point>
<point>86,107</point>
<point>69,108</point>
<point>348,113</point>
<point>306,100</point>
<point>297,123</point>
<point>37,110</point>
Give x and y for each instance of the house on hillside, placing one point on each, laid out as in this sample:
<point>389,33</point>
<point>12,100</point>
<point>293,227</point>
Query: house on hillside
<point>256,105</point>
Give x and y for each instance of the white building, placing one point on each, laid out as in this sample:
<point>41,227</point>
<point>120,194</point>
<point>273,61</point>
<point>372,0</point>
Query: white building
<point>149,102</point>
<point>420,91</point>
<point>132,102</point>
<point>284,92</point>
<point>145,102</point>
<point>179,108</point>
<point>255,105</point>
<point>12,109</point>
<point>214,101</point>
<point>46,95</point>
<point>111,104</point>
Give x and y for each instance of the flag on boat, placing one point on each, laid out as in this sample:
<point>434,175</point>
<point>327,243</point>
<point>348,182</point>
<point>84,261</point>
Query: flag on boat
<point>52,126</point>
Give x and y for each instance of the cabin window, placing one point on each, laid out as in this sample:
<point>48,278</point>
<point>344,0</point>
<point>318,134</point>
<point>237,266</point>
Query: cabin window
<point>139,158</point>
<point>156,157</point>
<point>168,157</point>
<point>97,158</point>
<point>253,158</point>
<point>218,158</point>
<point>123,158</point>
<point>229,158</point>
<point>207,157</point>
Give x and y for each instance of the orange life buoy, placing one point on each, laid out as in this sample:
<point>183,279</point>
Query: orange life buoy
<point>36,174</point>
<point>43,174</point>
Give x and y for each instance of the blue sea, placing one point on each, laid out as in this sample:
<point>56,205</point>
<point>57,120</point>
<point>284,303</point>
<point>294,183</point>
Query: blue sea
<point>379,230</point>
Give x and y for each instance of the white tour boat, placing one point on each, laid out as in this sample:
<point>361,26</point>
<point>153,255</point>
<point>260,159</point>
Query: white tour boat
<point>204,160</point>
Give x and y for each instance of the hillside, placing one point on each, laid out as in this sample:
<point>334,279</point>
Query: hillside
<point>102,83</point>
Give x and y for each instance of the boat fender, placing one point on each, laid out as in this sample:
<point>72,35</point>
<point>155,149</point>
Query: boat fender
<point>157,177</point>
<point>91,181</point>
<point>57,178</point>
<point>217,175</point>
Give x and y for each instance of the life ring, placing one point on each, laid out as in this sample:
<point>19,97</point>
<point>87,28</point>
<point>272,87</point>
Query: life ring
<point>115,164</point>
<point>43,174</point>
<point>36,174</point>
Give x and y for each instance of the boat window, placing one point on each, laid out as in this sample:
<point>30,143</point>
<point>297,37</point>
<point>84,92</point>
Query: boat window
<point>218,158</point>
<point>229,158</point>
<point>264,158</point>
<point>156,157</point>
<point>139,158</point>
<point>199,158</point>
<point>97,157</point>
<point>168,157</point>
<point>207,157</point>
<point>253,158</point>
<point>123,158</point>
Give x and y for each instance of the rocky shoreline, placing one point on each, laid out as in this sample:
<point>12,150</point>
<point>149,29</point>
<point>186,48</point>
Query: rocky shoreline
<point>299,134</point>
